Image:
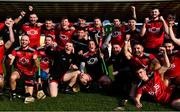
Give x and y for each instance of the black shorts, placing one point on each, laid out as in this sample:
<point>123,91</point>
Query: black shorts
<point>28,80</point>
<point>58,79</point>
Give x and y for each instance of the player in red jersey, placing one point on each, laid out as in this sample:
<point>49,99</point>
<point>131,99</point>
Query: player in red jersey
<point>25,59</point>
<point>49,28</point>
<point>65,33</point>
<point>154,29</point>
<point>45,61</point>
<point>3,48</point>
<point>33,30</point>
<point>153,84</point>
<point>139,57</point>
<point>118,32</point>
<point>174,56</point>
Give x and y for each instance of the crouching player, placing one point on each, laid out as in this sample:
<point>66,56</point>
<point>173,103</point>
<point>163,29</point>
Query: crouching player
<point>92,62</point>
<point>25,59</point>
<point>45,65</point>
<point>64,69</point>
<point>154,84</point>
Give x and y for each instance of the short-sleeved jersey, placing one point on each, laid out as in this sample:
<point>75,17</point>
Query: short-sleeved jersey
<point>174,69</point>
<point>154,34</point>
<point>143,61</point>
<point>1,58</point>
<point>93,64</point>
<point>64,36</point>
<point>34,33</point>
<point>45,60</point>
<point>47,32</point>
<point>118,35</point>
<point>24,61</point>
<point>156,88</point>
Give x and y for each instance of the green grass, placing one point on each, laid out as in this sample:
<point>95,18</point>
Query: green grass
<point>76,102</point>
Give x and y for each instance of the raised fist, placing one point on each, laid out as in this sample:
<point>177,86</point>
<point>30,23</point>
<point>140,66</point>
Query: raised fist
<point>146,20</point>
<point>30,8</point>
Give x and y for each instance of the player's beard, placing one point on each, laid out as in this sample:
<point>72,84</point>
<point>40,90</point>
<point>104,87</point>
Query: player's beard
<point>25,46</point>
<point>33,22</point>
<point>169,52</point>
<point>138,53</point>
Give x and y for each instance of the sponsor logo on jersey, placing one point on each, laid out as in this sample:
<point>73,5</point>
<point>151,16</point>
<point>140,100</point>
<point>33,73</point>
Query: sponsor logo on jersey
<point>92,61</point>
<point>32,32</point>
<point>154,30</point>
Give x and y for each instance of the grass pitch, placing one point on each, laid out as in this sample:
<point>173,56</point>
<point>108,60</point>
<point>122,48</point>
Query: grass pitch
<point>75,102</point>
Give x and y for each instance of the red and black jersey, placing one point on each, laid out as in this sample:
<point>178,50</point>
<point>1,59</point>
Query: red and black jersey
<point>1,58</point>
<point>154,34</point>
<point>118,35</point>
<point>156,88</point>
<point>96,32</point>
<point>2,25</point>
<point>93,64</point>
<point>24,60</point>
<point>144,61</point>
<point>34,33</point>
<point>46,32</point>
<point>64,36</point>
<point>45,60</point>
<point>174,69</point>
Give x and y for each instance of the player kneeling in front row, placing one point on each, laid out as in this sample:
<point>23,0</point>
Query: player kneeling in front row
<point>25,59</point>
<point>45,63</point>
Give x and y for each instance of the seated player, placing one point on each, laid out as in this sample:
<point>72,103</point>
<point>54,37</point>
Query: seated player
<point>64,69</point>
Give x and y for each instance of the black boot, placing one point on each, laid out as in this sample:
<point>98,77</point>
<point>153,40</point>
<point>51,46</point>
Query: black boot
<point>68,90</point>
